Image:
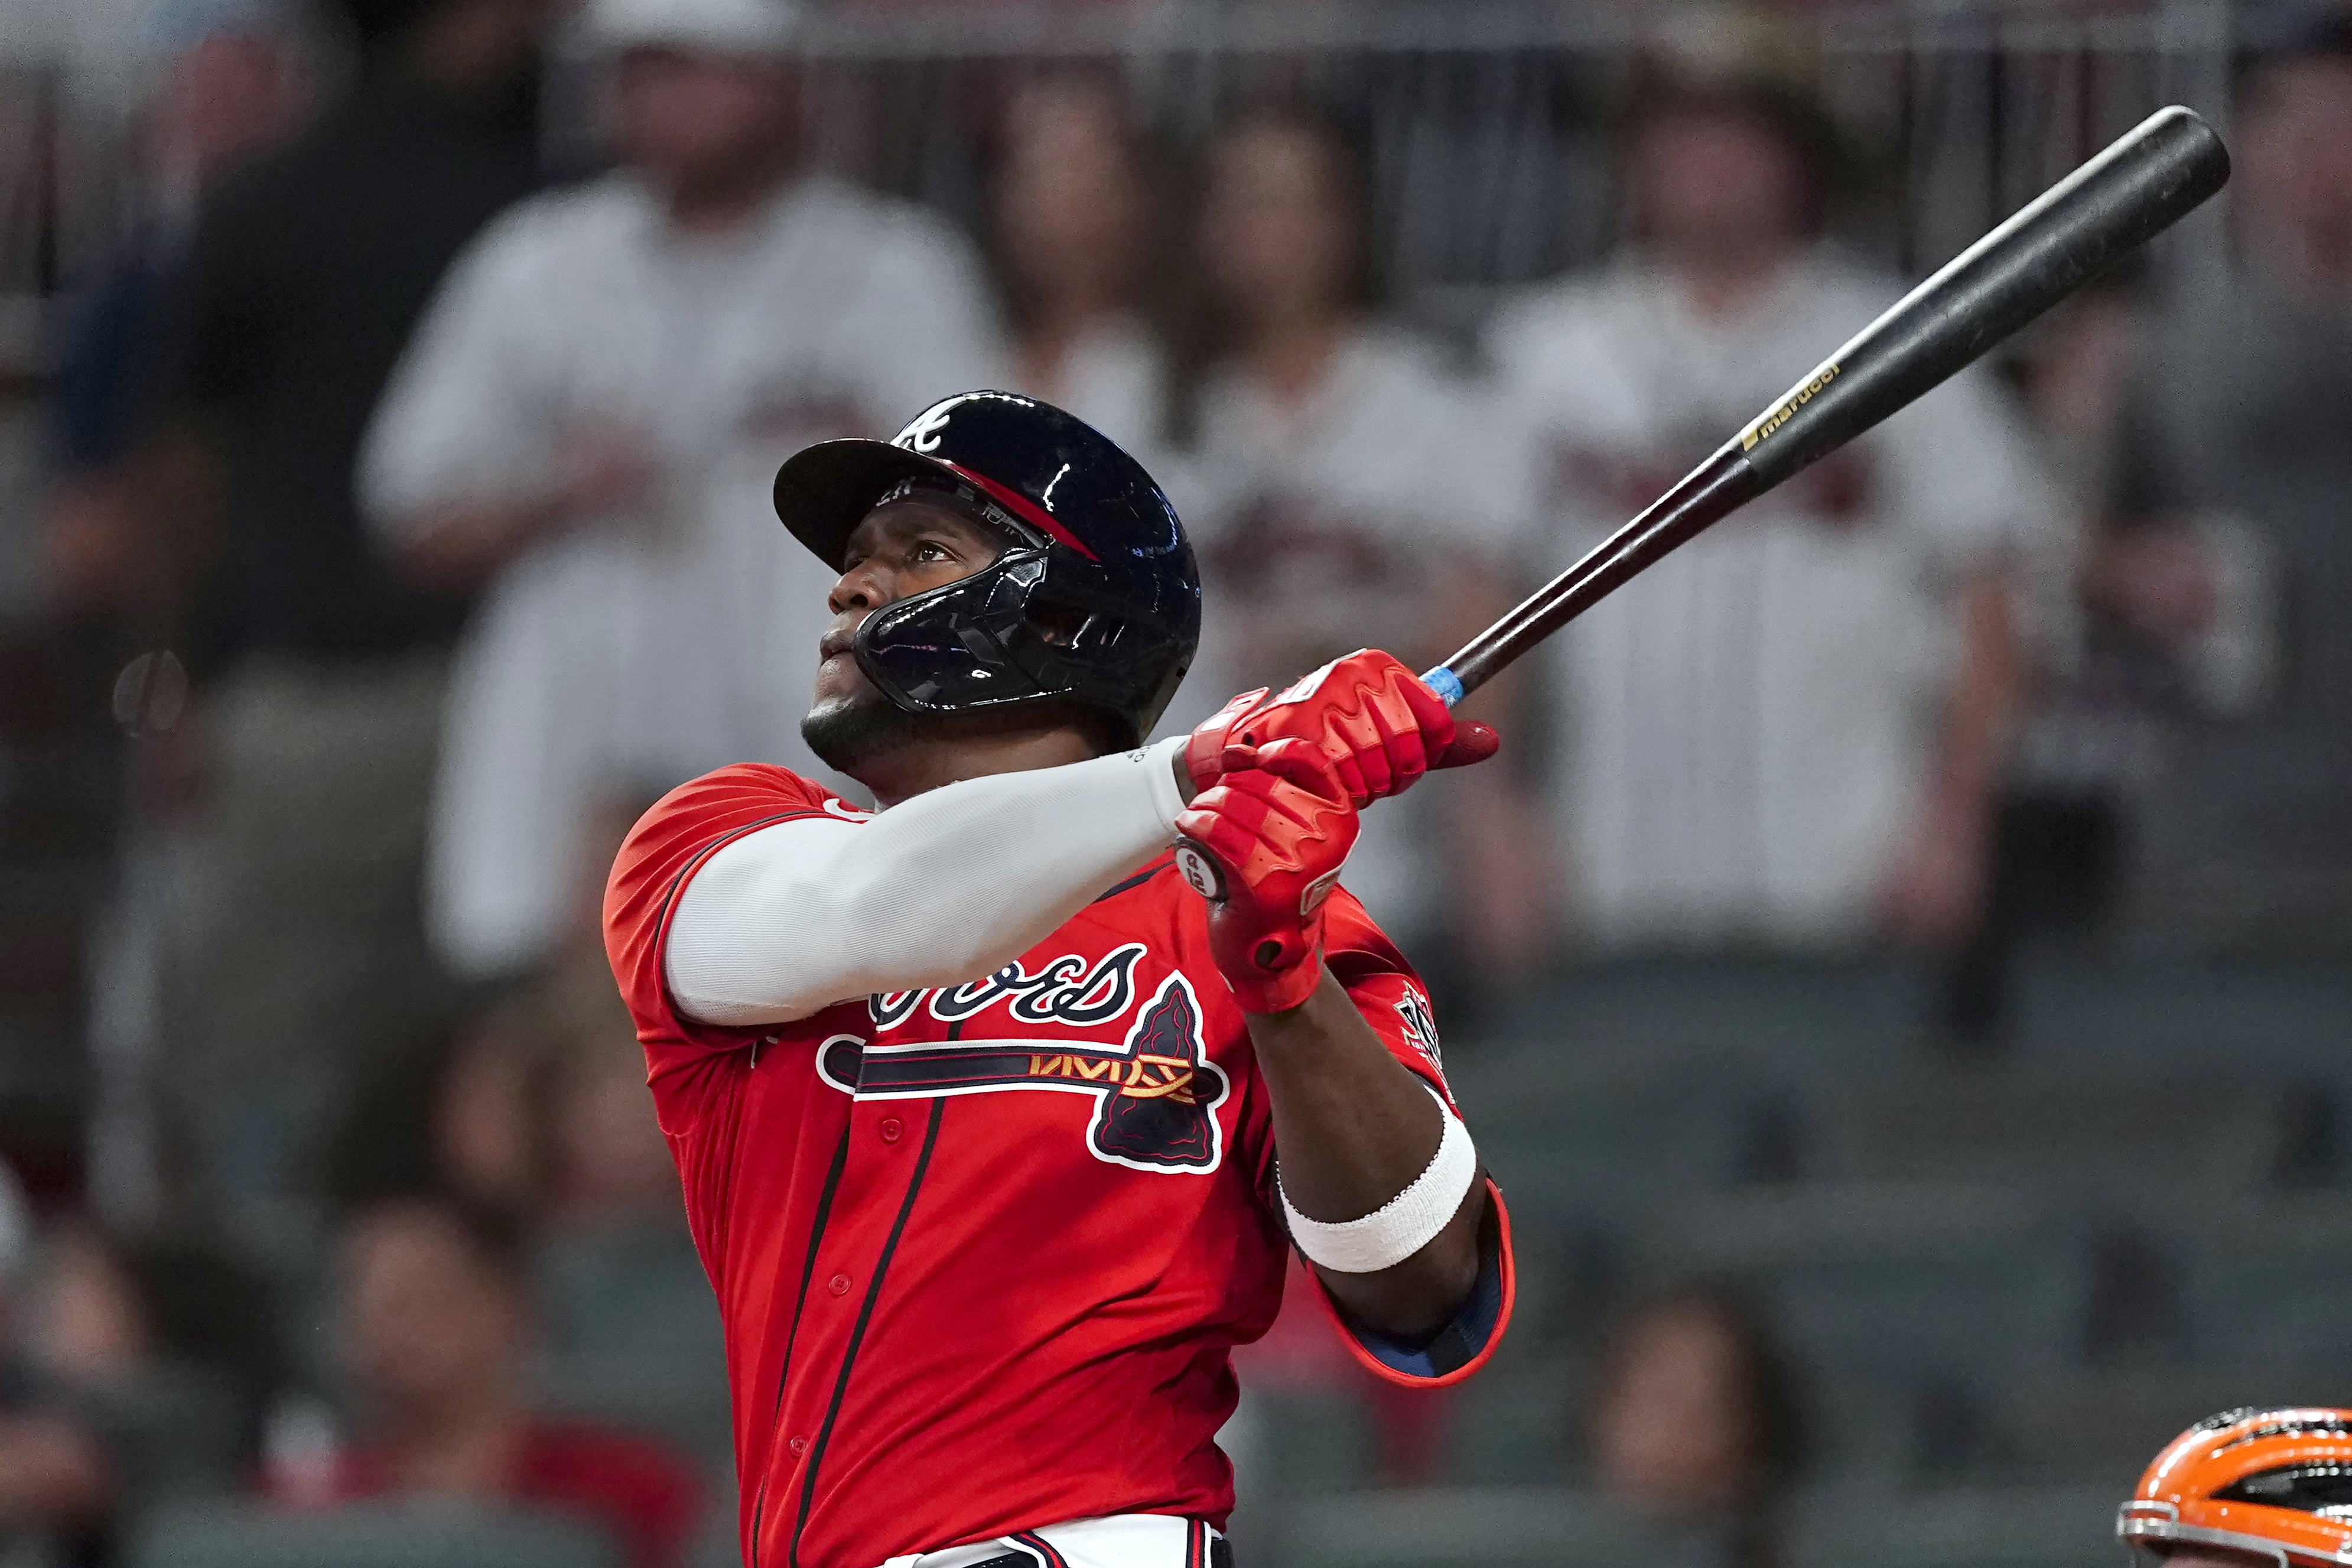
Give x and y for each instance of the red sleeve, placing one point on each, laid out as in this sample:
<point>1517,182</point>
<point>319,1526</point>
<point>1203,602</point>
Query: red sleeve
<point>663,851</point>
<point>1390,996</point>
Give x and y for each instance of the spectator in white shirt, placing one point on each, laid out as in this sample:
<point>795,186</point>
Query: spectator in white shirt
<point>1345,488</point>
<point>1789,734</point>
<point>591,417</point>
<point>1075,224</point>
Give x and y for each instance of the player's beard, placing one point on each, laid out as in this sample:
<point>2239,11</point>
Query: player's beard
<point>850,731</point>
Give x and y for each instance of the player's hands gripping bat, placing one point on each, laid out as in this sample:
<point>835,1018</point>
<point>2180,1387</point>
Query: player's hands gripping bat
<point>1265,846</point>
<point>2135,189</point>
<point>1371,716</point>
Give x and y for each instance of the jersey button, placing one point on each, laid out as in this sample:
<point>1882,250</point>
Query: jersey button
<point>838,1284</point>
<point>890,1130</point>
<point>798,1444</point>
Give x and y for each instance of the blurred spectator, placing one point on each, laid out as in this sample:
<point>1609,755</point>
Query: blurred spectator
<point>2087,733</point>
<point>1345,493</point>
<point>165,1347</point>
<point>436,1318</point>
<point>300,947</point>
<point>1690,1420</point>
<point>1076,228</point>
<point>535,1105</point>
<point>1789,734</point>
<point>646,619</point>
<point>57,1485</point>
<point>608,1163</point>
<point>232,84</point>
<point>2229,563</point>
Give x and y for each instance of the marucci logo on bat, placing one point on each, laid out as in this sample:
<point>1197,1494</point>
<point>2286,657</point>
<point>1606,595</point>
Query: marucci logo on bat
<point>1779,417</point>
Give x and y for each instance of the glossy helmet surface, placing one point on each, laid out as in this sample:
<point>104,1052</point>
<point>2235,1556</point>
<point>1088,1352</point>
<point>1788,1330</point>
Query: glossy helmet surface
<point>1097,600</point>
<point>2274,1484</point>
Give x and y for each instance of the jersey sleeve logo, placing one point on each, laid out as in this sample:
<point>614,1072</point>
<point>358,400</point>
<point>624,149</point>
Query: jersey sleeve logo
<point>1156,1095</point>
<point>1421,1027</point>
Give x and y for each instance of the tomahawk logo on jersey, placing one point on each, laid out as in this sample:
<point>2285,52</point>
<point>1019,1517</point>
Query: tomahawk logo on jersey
<point>983,1249</point>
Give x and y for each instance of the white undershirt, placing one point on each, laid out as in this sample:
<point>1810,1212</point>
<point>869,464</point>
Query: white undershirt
<point>944,889</point>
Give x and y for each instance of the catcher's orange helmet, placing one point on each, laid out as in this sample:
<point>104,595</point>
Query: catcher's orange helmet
<point>2274,1484</point>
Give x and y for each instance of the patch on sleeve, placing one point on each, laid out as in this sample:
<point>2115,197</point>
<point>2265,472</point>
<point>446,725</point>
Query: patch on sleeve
<point>1421,1027</point>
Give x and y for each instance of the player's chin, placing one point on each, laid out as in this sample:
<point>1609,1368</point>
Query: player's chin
<point>846,729</point>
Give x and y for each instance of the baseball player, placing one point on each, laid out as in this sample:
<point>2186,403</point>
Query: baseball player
<point>2247,1489</point>
<point>978,1099</point>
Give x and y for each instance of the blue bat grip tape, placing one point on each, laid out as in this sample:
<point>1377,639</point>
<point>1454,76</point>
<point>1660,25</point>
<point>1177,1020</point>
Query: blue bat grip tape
<point>1447,686</point>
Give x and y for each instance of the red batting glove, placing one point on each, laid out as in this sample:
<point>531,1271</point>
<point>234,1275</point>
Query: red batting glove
<point>1380,726</point>
<point>1265,847</point>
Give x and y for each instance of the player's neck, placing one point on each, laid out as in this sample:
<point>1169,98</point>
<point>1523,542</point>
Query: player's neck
<point>923,764</point>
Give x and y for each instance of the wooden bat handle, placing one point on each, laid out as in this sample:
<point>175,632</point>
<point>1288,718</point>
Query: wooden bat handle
<point>1708,493</point>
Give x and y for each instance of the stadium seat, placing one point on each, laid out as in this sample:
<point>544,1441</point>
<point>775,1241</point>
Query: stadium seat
<point>177,1430</point>
<point>631,1336</point>
<point>1487,1527</point>
<point>442,1535</point>
<point>1567,1136</point>
<point>1999,1528</point>
<point>1513,1424</point>
<point>2269,1280</point>
<point>2101,1428</point>
<point>2050,1131</point>
<point>1307,1442</point>
<point>1900,1279</point>
<point>1803,1018</point>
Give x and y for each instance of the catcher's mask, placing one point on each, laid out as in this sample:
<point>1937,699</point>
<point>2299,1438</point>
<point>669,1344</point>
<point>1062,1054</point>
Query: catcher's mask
<point>2272,1484</point>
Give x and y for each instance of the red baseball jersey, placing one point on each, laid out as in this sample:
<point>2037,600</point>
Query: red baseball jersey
<point>981,1252</point>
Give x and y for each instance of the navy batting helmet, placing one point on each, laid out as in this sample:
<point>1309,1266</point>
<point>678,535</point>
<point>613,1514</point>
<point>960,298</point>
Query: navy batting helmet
<point>1096,602</point>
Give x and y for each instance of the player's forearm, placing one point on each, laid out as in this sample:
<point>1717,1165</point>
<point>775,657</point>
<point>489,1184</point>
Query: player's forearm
<point>1354,1128</point>
<point>944,889</point>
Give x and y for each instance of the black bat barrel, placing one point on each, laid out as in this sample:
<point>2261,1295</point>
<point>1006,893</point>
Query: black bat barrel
<point>2145,181</point>
<point>2141,185</point>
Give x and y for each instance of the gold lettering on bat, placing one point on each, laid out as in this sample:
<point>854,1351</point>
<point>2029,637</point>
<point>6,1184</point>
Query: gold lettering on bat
<point>1779,417</point>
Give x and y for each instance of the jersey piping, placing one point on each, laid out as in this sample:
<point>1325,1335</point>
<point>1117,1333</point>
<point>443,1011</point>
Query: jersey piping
<point>857,1331</point>
<point>792,1335</point>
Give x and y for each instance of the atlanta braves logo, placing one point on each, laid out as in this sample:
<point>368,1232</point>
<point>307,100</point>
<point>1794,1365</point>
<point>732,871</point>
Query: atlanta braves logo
<point>1156,1095</point>
<point>1066,991</point>
<point>923,434</point>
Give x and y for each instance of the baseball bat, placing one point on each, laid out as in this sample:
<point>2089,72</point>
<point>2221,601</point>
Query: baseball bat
<point>2141,185</point>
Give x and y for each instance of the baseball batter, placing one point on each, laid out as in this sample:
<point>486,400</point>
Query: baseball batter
<point>998,1108</point>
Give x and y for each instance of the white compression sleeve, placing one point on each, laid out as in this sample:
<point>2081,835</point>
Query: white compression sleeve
<point>948,886</point>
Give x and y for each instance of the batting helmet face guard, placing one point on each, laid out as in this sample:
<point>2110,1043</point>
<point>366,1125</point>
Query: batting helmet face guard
<point>1096,602</point>
<point>2272,1484</point>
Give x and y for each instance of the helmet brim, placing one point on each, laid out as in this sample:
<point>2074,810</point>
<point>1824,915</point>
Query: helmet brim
<point>825,491</point>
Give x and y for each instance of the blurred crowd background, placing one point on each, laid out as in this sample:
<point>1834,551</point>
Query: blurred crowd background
<point>1900,969</point>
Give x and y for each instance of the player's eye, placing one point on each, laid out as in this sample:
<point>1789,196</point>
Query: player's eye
<point>929,550</point>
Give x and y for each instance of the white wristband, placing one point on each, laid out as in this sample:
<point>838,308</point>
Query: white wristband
<point>1403,1226</point>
